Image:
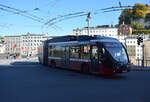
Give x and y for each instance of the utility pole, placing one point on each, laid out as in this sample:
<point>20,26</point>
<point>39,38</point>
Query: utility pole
<point>88,21</point>
<point>142,50</point>
<point>143,55</point>
<point>28,35</point>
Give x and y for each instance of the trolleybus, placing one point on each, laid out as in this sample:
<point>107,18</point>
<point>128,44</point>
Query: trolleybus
<point>88,54</point>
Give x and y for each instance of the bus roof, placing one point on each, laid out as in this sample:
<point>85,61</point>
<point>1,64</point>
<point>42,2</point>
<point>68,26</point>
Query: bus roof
<point>84,39</point>
<point>78,38</point>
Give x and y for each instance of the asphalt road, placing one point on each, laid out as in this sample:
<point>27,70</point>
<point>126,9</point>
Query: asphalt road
<point>30,82</point>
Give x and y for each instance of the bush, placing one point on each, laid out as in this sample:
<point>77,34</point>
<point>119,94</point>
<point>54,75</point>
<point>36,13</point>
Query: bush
<point>136,32</point>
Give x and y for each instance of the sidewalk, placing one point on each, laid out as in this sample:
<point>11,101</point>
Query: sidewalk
<point>8,61</point>
<point>140,68</point>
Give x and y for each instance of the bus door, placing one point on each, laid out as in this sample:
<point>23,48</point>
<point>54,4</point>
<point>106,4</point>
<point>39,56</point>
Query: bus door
<point>65,57</point>
<point>94,59</point>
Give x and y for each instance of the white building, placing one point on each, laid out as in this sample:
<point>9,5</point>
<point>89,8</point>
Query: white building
<point>103,31</point>
<point>24,45</point>
<point>12,44</point>
<point>30,43</point>
<point>2,46</point>
<point>134,50</point>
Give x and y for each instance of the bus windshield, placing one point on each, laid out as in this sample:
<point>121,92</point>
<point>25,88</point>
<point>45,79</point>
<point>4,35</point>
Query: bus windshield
<point>117,51</point>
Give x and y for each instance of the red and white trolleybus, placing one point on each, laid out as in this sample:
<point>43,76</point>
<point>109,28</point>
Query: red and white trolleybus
<point>88,54</point>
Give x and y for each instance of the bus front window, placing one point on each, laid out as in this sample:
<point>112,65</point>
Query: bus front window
<point>117,51</point>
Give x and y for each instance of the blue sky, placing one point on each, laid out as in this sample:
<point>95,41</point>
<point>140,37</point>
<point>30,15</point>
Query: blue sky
<point>14,24</point>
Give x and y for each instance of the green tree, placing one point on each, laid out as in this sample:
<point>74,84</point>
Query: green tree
<point>139,11</point>
<point>147,17</point>
<point>125,16</point>
<point>2,37</point>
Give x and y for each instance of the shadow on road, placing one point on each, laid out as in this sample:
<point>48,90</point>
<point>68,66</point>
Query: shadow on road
<point>36,66</point>
<point>24,63</point>
<point>115,77</point>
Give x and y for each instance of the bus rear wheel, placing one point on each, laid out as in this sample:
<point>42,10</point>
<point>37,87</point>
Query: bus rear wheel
<point>85,69</point>
<point>53,65</point>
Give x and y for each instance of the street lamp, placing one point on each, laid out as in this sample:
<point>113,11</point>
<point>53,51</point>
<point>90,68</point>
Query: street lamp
<point>88,21</point>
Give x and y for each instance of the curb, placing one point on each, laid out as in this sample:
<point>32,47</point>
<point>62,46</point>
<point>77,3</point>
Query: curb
<point>141,69</point>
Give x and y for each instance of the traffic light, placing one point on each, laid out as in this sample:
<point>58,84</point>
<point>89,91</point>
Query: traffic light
<point>139,40</point>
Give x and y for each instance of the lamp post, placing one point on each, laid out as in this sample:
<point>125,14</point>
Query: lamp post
<point>88,21</point>
<point>142,49</point>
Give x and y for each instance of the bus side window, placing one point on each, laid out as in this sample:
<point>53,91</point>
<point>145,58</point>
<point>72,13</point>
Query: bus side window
<point>102,52</point>
<point>74,51</point>
<point>84,52</point>
<point>94,52</point>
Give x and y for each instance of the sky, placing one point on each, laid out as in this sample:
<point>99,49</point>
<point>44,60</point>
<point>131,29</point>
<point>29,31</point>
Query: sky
<point>35,15</point>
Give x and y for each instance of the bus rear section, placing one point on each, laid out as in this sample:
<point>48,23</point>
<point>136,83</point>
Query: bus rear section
<point>43,53</point>
<point>40,54</point>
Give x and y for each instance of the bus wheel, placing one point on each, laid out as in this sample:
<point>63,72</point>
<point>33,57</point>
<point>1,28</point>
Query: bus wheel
<point>53,65</point>
<point>85,69</point>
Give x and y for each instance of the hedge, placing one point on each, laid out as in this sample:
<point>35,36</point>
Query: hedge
<point>136,32</point>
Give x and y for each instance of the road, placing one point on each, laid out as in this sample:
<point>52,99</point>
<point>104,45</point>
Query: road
<point>28,81</point>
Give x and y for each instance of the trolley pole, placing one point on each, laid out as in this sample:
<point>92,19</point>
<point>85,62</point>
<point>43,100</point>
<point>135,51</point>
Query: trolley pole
<point>88,22</point>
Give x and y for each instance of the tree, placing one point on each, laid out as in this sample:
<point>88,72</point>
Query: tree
<point>125,16</point>
<point>132,16</point>
<point>2,37</point>
<point>147,17</point>
<point>139,11</point>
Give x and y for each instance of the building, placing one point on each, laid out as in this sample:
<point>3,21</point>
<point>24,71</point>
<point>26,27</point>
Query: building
<point>124,29</point>
<point>131,46</point>
<point>2,45</point>
<point>24,45</point>
<point>13,44</point>
<point>99,30</point>
<point>30,43</point>
<point>134,50</point>
<point>147,52</point>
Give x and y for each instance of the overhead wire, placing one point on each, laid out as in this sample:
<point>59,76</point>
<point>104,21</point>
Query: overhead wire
<point>62,16</point>
<point>50,24</point>
<point>20,12</point>
<point>7,10</point>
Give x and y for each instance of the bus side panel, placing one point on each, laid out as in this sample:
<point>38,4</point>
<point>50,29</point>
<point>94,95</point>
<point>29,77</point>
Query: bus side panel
<point>40,54</point>
<point>49,62</point>
<point>41,60</point>
<point>58,63</point>
<point>77,65</point>
<point>105,71</point>
<point>45,55</point>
